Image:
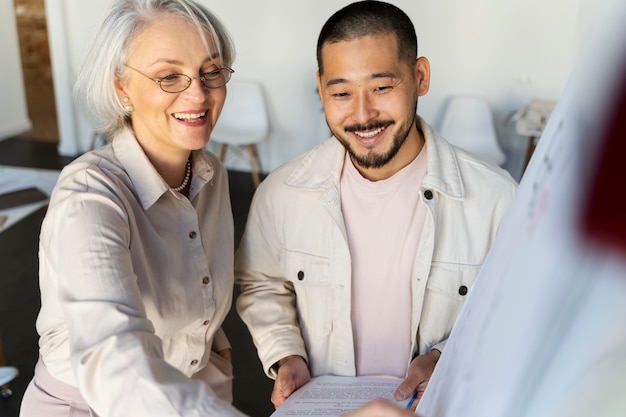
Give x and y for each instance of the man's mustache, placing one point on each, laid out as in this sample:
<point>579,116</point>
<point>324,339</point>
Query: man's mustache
<point>370,126</point>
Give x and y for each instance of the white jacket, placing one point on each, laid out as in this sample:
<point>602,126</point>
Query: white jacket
<point>294,252</point>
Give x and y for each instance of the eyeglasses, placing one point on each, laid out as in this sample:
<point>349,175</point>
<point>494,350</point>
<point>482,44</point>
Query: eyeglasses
<point>177,83</point>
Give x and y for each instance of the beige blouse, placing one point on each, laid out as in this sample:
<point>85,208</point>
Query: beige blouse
<point>135,281</point>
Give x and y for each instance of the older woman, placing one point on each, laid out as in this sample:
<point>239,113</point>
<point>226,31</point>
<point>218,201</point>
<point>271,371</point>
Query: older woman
<point>136,249</point>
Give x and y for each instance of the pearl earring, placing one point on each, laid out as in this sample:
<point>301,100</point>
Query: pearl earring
<point>128,108</point>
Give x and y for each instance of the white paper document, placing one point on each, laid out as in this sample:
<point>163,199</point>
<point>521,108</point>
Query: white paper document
<point>14,178</point>
<point>332,396</point>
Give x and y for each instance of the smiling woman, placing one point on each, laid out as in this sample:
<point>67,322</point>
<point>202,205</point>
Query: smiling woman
<point>139,232</point>
<point>169,113</point>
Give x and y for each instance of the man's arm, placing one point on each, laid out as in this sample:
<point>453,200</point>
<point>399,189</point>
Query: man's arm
<point>267,300</point>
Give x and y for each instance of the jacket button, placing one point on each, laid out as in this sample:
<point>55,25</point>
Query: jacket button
<point>194,362</point>
<point>206,280</point>
<point>300,275</point>
<point>428,195</point>
<point>192,235</point>
<point>462,290</point>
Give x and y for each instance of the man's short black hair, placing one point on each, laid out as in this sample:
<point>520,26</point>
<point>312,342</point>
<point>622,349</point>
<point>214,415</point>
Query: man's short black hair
<point>368,18</point>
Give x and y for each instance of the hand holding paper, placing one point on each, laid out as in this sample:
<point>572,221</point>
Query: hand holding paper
<point>333,396</point>
<point>293,372</point>
<point>418,375</point>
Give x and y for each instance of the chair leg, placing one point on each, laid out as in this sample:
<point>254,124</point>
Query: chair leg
<point>222,155</point>
<point>257,158</point>
<point>255,164</point>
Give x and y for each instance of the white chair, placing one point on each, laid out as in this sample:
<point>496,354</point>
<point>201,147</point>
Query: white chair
<point>244,122</point>
<point>468,124</point>
<point>7,374</point>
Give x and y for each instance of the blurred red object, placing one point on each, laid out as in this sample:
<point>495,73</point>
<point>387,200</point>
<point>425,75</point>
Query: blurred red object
<point>604,218</point>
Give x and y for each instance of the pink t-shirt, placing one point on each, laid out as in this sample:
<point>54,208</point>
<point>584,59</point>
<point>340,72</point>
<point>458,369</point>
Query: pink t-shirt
<point>384,221</point>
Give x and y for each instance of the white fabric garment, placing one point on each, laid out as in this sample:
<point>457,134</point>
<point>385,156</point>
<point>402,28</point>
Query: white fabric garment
<point>294,264</point>
<point>136,280</point>
<point>384,221</point>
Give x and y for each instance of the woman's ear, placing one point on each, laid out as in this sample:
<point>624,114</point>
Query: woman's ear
<point>121,91</point>
<point>122,96</point>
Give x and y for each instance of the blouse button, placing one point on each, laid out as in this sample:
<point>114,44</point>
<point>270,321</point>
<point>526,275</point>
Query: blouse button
<point>428,195</point>
<point>194,362</point>
<point>192,235</point>
<point>300,275</point>
<point>206,280</point>
<point>462,290</point>
<point>205,323</point>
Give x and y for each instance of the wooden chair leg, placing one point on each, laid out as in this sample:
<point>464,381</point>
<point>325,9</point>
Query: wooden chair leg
<point>223,148</point>
<point>257,158</point>
<point>255,164</point>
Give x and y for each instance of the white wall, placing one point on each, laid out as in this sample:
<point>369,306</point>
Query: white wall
<point>506,51</point>
<point>13,111</point>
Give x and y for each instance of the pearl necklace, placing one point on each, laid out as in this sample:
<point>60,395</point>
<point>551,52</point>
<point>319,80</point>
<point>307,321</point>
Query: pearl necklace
<point>186,180</point>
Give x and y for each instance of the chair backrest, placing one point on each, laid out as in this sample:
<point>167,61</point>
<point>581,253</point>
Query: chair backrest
<point>244,118</point>
<point>7,374</point>
<point>468,124</point>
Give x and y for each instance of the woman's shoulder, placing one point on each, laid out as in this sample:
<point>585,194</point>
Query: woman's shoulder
<point>92,168</point>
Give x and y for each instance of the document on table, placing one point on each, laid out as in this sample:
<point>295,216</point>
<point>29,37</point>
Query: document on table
<point>332,396</point>
<point>23,191</point>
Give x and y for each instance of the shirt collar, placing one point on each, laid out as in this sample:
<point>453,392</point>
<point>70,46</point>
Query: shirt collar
<point>147,182</point>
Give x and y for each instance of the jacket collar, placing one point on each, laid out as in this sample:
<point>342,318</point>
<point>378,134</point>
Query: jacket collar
<point>321,167</point>
<point>443,173</point>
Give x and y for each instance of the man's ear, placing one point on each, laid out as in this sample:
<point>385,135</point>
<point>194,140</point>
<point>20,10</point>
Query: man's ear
<point>318,77</point>
<point>422,75</point>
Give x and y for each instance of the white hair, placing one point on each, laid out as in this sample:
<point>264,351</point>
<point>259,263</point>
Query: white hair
<point>106,57</point>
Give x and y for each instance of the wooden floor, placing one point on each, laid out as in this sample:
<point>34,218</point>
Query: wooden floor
<point>19,291</point>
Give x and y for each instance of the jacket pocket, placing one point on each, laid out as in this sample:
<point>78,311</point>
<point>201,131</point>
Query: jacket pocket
<point>446,290</point>
<point>309,275</point>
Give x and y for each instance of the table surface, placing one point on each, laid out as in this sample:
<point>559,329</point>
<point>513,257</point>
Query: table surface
<point>15,178</point>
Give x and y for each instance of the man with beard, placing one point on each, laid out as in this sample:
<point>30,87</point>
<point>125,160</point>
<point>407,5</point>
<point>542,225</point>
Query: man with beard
<point>358,254</point>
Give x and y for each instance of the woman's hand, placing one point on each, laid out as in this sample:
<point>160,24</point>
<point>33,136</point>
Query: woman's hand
<point>226,354</point>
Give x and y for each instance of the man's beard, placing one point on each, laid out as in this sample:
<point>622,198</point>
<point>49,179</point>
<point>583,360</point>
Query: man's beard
<point>372,159</point>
